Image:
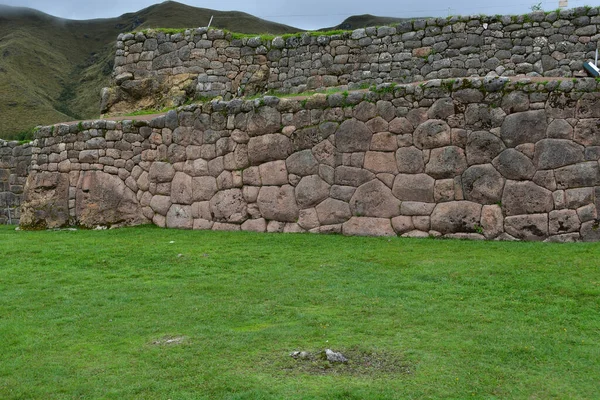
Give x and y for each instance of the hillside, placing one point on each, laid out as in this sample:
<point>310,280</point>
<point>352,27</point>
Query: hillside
<point>363,21</point>
<point>52,69</point>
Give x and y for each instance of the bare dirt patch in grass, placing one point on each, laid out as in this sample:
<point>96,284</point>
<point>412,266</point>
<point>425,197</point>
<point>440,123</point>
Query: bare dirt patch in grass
<point>360,363</point>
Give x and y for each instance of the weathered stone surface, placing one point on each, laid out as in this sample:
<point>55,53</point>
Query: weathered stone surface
<point>181,189</point>
<point>365,226</point>
<point>446,162</point>
<point>410,160</point>
<point>555,153</point>
<point>575,198</point>
<point>564,238</point>
<point>532,227</point>
<point>590,231</point>
<point>103,199</point>
<point>45,201</point>
<point>161,172</point>
<point>416,208</point>
<point>482,184</point>
<point>351,176</point>
<point>380,162</point>
<point>578,175</point>
<point>524,127</point>
<point>483,147</point>
<point>332,211</point>
<point>401,126</point>
<point>255,225</point>
<point>374,199</point>
<point>180,217</point>
<point>203,188</point>
<point>278,203</point>
<point>456,216</point>
<point>526,198</point>
<point>302,163</point>
<point>273,173</point>
<point>444,190</point>
<point>384,141</point>
<point>586,132</point>
<point>441,109</point>
<point>263,121</point>
<point>418,187</point>
<point>513,164</point>
<point>402,224</point>
<point>587,213</point>
<point>229,206</point>
<point>160,204</point>
<point>269,147</point>
<point>311,191</point>
<point>352,136</point>
<point>492,221</point>
<point>563,221</point>
<point>431,134</point>
<point>559,129</point>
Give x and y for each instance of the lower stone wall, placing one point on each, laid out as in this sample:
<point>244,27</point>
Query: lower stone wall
<point>468,158</point>
<point>14,167</point>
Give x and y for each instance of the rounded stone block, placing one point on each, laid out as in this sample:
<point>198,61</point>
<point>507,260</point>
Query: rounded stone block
<point>365,226</point>
<point>278,203</point>
<point>526,198</point>
<point>414,187</point>
<point>482,184</point>
<point>456,216</point>
<point>374,199</point>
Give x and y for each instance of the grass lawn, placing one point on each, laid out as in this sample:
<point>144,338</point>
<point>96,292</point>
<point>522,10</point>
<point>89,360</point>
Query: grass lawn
<point>149,313</point>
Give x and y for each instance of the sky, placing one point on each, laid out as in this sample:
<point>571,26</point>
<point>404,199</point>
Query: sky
<point>305,14</point>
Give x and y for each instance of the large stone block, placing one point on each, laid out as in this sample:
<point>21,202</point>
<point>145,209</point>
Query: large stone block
<point>555,153</point>
<point>229,206</point>
<point>311,191</point>
<point>203,188</point>
<point>181,189</point>
<point>352,136</point>
<point>586,132</point>
<point>278,203</point>
<point>513,164</point>
<point>332,211</point>
<point>364,226</point>
<point>161,172</point>
<point>380,162</point>
<point>446,162</point>
<point>180,217</point>
<point>578,175</point>
<point>417,187</point>
<point>351,176</point>
<point>263,121</point>
<point>410,160</point>
<point>302,163</point>
<point>269,147</point>
<point>104,199</point>
<point>492,221</point>
<point>524,127</point>
<point>532,227</point>
<point>45,201</point>
<point>273,173</point>
<point>526,198</point>
<point>456,216</point>
<point>483,147</point>
<point>374,199</point>
<point>482,184</point>
<point>563,221</point>
<point>431,134</point>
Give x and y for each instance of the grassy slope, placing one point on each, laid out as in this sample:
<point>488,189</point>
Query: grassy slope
<point>365,20</point>
<point>52,69</point>
<point>80,313</point>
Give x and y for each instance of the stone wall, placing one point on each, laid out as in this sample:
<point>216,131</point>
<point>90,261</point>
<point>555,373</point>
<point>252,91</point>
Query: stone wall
<point>154,70</point>
<point>468,158</point>
<point>14,167</point>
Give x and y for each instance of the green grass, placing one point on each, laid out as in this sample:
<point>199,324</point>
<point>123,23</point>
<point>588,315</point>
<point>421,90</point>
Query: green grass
<point>87,314</point>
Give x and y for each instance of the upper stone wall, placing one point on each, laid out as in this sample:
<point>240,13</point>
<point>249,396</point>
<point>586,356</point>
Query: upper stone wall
<point>468,158</point>
<point>154,70</point>
<point>14,167</point>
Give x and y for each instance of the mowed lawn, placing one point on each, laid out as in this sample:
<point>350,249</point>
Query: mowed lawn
<point>148,313</point>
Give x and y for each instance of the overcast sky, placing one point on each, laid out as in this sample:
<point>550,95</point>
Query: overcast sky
<point>305,14</point>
